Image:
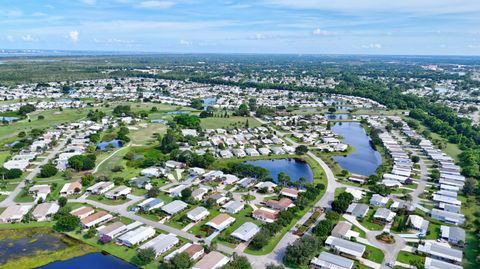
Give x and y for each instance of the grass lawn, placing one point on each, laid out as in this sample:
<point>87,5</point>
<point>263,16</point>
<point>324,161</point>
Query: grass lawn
<point>144,135</point>
<point>24,197</point>
<point>367,222</point>
<point>3,156</point>
<point>375,254</point>
<point>106,201</point>
<point>232,121</point>
<point>408,257</point>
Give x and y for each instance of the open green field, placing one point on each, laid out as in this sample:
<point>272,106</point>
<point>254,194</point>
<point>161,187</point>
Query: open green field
<point>3,157</point>
<point>232,121</point>
<point>145,135</point>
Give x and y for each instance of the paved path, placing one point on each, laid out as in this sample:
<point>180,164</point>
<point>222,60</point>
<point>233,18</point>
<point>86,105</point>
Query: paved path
<point>10,199</point>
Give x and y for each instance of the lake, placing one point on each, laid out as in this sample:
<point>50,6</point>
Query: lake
<point>364,160</point>
<point>294,168</point>
<point>95,260</point>
<point>115,143</point>
<point>26,246</point>
<point>338,116</point>
<point>8,119</point>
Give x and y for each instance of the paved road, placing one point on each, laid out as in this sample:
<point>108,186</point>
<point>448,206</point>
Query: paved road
<point>10,198</point>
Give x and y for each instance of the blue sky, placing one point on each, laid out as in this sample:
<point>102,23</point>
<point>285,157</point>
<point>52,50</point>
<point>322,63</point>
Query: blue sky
<point>424,27</point>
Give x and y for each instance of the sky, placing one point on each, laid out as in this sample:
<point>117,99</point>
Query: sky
<point>398,27</point>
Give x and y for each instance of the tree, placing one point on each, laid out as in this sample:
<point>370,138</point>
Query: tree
<point>274,266</point>
<point>197,103</point>
<point>25,109</point>
<point>238,262</point>
<point>323,228</point>
<point>62,201</point>
<point>301,150</point>
<point>341,203</point>
<point>242,110</point>
<point>82,162</point>
<point>186,193</point>
<point>153,192</point>
<point>302,250</point>
<point>146,255</point>
<point>415,159</point>
<point>48,170</point>
<point>179,261</point>
<point>283,178</point>
<point>469,187</point>
<point>90,233</point>
<point>87,180</point>
<point>66,223</point>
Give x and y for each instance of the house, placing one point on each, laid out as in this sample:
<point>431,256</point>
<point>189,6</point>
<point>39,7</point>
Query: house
<point>441,252</point>
<point>357,210</point>
<point>161,244</point>
<point>190,132</point>
<point>267,185</point>
<point>194,251</point>
<point>150,204</point>
<point>233,207</point>
<point>438,264</point>
<point>402,205</point>
<point>291,193</point>
<point>378,200</point>
<point>14,213</point>
<point>219,198</point>
<point>198,214</point>
<point>213,260</point>
<point>229,179</point>
<point>328,260</point>
<point>174,164</point>
<point>265,214</point>
<point>100,187</point>
<point>112,230</point>
<point>82,212</point>
<point>448,217</point>
<point>196,171</point>
<point>199,193</point>
<point>152,172</point>
<point>176,191</point>
<point>71,188</point>
<point>246,231</point>
<point>453,235</point>
<point>174,207</point>
<point>221,221</point>
<point>95,219</point>
<point>136,236</point>
<point>140,182</point>
<point>343,229</point>
<point>40,191</point>
<point>357,194</point>
<point>384,215</point>
<point>44,212</point>
<point>345,246</point>
<point>419,224</point>
<point>282,204</point>
<point>226,154</point>
<point>118,192</point>
<point>16,164</point>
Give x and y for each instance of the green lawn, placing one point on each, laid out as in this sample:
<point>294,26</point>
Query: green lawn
<point>409,258</point>
<point>24,197</point>
<point>374,254</point>
<point>232,121</point>
<point>144,135</point>
<point>3,156</point>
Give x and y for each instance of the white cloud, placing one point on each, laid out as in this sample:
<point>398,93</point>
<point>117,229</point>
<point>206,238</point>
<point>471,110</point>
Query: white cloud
<point>89,2</point>
<point>156,4</point>
<point>13,13</point>
<point>259,36</point>
<point>372,46</point>
<point>73,36</point>
<point>10,38</point>
<point>120,41</point>
<point>320,32</point>
<point>473,46</point>
<point>185,42</point>
<point>28,38</point>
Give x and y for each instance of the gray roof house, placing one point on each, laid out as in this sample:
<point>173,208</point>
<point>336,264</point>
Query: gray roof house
<point>174,207</point>
<point>448,217</point>
<point>344,246</point>
<point>378,200</point>
<point>357,210</point>
<point>233,207</point>
<point>452,234</point>
<point>438,264</point>
<point>441,252</point>
<point>329,260</point>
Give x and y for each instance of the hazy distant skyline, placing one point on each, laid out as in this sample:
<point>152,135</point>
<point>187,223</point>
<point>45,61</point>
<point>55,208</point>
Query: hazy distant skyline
<point>420,27</point>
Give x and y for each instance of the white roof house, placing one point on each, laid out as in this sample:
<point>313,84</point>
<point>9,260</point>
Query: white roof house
<point>438,264</point>
<point>441,251</point>
<point>45,211</point>
<point>118,192</point>
<point>112,230</point>
<point>246,231</point>
<point>16,164</point>
<point>150,204</point>
<point>198,213</point>
<point>418,223</point>
<point>14,213</point>
<point>71,188</point>
<point>101,187</point>
<point>233,207</point>
<point>212,260</point>
<point>384,214</point>
<point>136,236</point>
<point>378,200</point>
<point>161,244</point>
